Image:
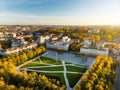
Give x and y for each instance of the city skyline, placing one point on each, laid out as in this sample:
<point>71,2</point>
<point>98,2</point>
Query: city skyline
<point>60,12</point>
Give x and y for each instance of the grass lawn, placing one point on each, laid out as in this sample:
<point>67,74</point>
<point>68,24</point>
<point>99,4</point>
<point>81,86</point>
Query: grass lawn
<point>59,68</point>
<point>67,63</point>
<point>76,69</point>
<point>33,64</point>
<point>73,79</point>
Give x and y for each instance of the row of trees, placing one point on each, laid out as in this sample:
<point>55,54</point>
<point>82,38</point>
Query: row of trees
<point>13,79</point>
<point>100,76</point>
<point>75,46</point>
<point>19,58</point>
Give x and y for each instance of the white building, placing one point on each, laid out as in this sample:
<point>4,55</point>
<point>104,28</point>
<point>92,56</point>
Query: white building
<point>62,45</point>
<point>17,49</point>
<point>14,34</point>
<point>58,45</point>
<point>94,31</point>
<point>1,34</point>
<point>43,39</point>
<point>87,42</point>
<point>65,39</point>
<point>95,52</point>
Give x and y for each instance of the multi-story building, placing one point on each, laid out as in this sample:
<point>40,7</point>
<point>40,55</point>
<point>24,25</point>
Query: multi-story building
<point>58,45</point>
<point>87,42</point>
<point>61,45</point>
<point>1,34</point>
<point>43,39</point>
<point>17,49</point>
<point>95,52</point>
<point>65,39</point>
<point>18,42</point>
<point>94,31</point>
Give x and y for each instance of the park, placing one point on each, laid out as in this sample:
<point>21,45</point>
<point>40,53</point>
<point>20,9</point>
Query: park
<point>66,72</point>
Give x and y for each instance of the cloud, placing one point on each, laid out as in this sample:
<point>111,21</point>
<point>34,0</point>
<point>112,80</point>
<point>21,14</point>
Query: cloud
<point>31,16</point>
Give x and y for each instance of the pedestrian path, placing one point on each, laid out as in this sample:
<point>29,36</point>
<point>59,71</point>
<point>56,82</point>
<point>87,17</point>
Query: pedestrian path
<point>63,64</point>
<point>65,77</point>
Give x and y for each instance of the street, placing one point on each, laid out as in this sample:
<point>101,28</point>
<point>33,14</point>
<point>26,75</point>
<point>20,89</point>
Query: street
<point>117,80</point>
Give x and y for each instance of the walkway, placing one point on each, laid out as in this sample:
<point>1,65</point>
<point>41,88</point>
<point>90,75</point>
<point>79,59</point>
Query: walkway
<point>30,60</point>
<point>50,71</point>
<point>65,77</point>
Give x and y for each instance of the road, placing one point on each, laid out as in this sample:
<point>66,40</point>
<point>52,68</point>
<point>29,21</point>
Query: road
<point>117,80</point>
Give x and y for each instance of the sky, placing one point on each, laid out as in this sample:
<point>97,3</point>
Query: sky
<point>60,12</point>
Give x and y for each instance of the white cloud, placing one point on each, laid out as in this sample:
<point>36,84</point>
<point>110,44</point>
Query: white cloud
<point>30,16</point>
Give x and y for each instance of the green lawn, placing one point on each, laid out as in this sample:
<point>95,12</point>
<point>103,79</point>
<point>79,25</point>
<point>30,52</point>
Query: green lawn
<point>33,65</point>
<point>76,69</point>
<point>68,63</point>
<point>73,79</point>
<point>59,68</point>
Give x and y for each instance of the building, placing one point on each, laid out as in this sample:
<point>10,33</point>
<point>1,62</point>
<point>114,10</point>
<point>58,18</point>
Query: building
<point>99,44</point>
<point>94,31</point>
<point>65,39</point>
<point>75,41</point>
<point>43,39</point>
<point>60,45</point>
<point>1,34</point>
<point>94,52</point>
<point>87,42</point>
<point>18,42</point>
<point>2,39</point>
<point>17,49</point>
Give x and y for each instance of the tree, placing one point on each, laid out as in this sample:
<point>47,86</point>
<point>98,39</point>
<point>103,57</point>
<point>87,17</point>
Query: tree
<point>88,86</point>
<point>2,83</point>
<point>99,87</point>
<point>109,37</point>
<point>97,38</point>
<point>78,87</point>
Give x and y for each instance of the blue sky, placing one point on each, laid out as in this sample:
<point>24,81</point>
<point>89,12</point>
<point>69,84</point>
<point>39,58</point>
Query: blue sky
<point>63,12</point>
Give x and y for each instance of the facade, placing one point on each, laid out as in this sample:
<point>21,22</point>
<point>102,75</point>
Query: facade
<point>76,40</point>
<point>55,38</point>
<point>18,42</point>
<point>43,39</point>
<point>61,45</point>
<point>1,34</point>
<point>58,45</point>
<point>65,39</point>
<point>94,52</point>
<point>87,42</point>
<point>17,49</point>
<point>2,39</point>
<point>94,31</point>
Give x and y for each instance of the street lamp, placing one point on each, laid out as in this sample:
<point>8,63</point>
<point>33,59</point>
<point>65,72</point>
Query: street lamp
<point>56,56</point>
